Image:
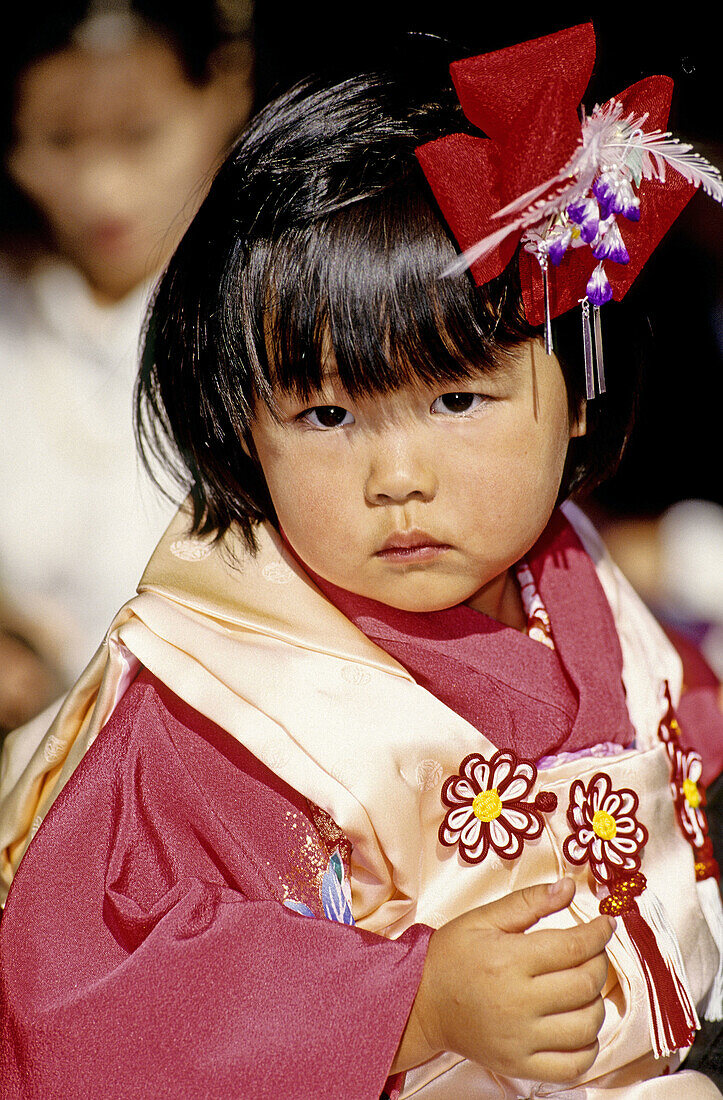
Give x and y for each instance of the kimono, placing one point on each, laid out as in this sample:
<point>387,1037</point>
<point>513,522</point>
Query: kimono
<point>256,814</point>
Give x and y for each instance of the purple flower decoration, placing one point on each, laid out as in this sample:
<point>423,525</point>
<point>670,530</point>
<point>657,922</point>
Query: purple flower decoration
<point>615,194</point>
<point>586,214</point>
<point>609,244</point>
<point>598,288</point>
<point>558,244</point>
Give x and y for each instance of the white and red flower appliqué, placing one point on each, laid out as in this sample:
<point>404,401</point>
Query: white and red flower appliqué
<point>488,807</point>
<point>686,769</point>
<point>606,833</point>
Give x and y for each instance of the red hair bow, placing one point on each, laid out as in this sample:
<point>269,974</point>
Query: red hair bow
<point>556,182</point>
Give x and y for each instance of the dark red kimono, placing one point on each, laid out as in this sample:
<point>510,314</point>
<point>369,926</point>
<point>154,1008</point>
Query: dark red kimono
<point>176,971</point>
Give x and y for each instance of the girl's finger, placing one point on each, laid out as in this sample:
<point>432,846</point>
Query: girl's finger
<point>561,1066</point>
<point>566,948</point>
<point>567,990</point>
<point>570,1031</point>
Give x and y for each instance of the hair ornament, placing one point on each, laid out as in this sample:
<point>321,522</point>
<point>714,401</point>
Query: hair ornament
<point>586,198</point>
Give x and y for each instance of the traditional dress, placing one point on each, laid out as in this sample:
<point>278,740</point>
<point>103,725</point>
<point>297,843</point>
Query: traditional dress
<point>233,891</point>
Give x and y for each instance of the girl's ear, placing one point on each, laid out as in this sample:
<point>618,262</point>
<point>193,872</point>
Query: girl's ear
<point>578,424</point>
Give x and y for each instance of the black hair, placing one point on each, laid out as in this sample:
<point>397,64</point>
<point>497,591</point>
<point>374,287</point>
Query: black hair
<point>195,32</point>
<point>320,232</point>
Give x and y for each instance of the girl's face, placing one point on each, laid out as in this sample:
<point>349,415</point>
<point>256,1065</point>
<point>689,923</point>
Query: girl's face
<point>422,498</point>
<point>114,148</point>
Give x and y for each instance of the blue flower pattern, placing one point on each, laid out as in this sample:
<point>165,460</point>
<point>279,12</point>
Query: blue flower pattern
<point>335,894</point>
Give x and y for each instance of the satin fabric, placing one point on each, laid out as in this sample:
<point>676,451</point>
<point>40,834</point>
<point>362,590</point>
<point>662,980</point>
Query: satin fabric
<point>252,644</point>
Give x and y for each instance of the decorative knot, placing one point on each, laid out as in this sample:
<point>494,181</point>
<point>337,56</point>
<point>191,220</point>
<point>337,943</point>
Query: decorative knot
<point>546,801</point>
<point>706,865</point>
<point>487,805</point>
<point>692,793</point>
<point>621,898</point>
<point>603,825</point>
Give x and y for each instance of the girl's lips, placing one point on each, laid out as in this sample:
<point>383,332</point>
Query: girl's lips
<point>411,546</point>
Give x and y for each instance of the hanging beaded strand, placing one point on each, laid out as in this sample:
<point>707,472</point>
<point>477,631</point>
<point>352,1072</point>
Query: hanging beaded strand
<point>544,264</point>
<point>587,349</point>
<point>599,361</point>
<point>592,349</point>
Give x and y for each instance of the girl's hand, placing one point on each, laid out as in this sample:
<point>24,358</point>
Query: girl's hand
<point>521,1005</point>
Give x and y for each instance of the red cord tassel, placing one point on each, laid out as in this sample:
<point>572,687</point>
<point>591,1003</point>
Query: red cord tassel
<point>672,1016</point>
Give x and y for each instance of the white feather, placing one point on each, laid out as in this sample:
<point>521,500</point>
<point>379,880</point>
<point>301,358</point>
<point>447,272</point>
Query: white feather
<point>607,140</point>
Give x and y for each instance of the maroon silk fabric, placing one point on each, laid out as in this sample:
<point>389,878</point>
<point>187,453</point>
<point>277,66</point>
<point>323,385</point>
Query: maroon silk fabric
<point>520,694</point>
<point>699,712</point>
<point>145,950</point>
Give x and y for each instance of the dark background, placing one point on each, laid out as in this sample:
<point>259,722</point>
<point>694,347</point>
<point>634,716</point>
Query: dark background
<point>675,452</point>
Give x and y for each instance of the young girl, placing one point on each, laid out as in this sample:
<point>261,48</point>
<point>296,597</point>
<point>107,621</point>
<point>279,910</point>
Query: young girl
<point>375,682</point>
<point>113,117</point>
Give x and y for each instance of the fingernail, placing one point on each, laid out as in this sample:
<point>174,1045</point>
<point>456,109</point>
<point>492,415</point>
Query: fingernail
<point>556,888</point>
<point>613,923</point>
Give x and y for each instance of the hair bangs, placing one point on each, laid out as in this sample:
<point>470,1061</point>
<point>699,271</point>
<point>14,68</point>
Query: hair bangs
<point>361,293</point>
<point>320,249</point>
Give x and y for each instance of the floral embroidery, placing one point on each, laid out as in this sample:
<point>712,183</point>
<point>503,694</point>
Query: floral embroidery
<point>335,894</point>
<point>607,835</point>
<point>689,800</point>
<point>686,768</point>
<point>606,832</point>
<point>488,807</point>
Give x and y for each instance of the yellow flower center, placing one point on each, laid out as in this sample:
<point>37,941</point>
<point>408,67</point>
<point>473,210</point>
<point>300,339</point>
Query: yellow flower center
<point>487,805</point>
<point>691,792</point>
<point>604,825</point>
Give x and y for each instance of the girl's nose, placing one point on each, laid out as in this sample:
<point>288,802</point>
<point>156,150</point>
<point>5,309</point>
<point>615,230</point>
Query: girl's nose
<point>399,472</point>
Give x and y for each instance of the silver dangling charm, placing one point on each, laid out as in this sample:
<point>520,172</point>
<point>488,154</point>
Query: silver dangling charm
<point>599,362</point>
<point>543,261</point>
<point>587,349</point>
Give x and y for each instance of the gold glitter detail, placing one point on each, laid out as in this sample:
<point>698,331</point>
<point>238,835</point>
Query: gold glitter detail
<point>331,834</point>
<point>487,805</point>
<point>603,825</point>
<point>623,894</point>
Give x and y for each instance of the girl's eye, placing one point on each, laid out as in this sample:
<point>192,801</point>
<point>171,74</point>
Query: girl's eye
<point>328,416</point>
<point>451,403</point>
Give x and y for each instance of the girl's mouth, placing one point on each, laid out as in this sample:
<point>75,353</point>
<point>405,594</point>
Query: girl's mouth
<point>404,546</point>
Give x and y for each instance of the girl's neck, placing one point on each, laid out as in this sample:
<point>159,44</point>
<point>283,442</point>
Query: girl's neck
<point>501,600</point>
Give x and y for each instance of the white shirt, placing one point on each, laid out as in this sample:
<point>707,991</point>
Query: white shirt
<point>79,517</point>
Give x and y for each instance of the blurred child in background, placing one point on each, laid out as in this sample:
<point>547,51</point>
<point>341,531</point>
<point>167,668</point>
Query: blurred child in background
<point>114,118</point>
